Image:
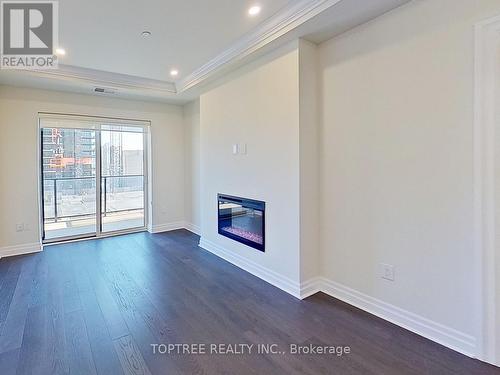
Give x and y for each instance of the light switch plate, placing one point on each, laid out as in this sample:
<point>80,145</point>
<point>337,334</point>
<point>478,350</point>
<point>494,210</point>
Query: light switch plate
<point>235,149</point>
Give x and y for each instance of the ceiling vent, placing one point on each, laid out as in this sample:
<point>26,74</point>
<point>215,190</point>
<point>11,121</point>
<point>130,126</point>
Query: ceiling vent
<point>104,90</point>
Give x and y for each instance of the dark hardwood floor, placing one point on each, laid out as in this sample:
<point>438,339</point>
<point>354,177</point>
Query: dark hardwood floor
<point>96,307</point>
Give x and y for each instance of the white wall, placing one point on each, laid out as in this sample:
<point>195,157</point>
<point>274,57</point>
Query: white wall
<point>192,207</point>
<point>259,107</point>
<point>18,154</point>
<point>396,159</point>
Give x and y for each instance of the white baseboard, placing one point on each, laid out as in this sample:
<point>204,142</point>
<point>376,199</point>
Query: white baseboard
<point>192,228</point>
<point>272,277</point>
<point>9,251</point>
<point>310,287</point>
<point>449,337</point>
<point>158,228</point>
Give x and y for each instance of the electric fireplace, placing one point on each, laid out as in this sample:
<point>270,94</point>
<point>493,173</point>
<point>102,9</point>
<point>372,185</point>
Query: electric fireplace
<point>242,220</point>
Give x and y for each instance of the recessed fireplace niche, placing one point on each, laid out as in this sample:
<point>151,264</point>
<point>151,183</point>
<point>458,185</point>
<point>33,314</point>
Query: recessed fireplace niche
<point>242,220</point>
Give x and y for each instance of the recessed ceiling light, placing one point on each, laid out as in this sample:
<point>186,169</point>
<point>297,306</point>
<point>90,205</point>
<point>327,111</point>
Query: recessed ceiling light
<point>146,33</point>
<point>60,52</point>
<point>253,11</point>
<point>174,72</point>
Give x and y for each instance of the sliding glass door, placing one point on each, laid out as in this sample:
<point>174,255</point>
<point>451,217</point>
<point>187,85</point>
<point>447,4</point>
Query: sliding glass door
<point>122,178</point>
<point>69,182</point>
<point>84,160</point>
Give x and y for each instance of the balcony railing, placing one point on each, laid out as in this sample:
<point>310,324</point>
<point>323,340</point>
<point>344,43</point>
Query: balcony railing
<point>75,197</point>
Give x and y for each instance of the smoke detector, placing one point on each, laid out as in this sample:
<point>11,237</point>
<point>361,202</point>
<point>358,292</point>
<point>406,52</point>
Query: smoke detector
<point>104,90</point>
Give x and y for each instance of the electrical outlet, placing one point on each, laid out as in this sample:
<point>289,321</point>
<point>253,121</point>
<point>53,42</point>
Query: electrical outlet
<point>387,271</point>
<point>19,227</point>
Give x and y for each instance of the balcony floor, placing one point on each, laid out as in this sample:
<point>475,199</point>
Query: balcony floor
<point>110,223</point>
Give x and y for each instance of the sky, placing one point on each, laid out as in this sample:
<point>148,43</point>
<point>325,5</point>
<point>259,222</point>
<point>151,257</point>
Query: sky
<point>130,141</point>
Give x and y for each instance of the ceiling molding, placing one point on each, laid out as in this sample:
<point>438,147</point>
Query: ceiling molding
<point>285,24</point>
<point>281,23</point>
<point>98,77</point>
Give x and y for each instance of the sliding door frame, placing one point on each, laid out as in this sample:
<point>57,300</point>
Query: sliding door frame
<point>98,183</point>
<point>98,177</point>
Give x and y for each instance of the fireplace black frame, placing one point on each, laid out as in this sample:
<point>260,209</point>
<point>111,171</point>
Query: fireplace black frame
<point>249,203</point>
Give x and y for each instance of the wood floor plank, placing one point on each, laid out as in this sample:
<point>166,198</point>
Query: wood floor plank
<point>40,287</point>
<point>104,355</point>
<point>130,357</point>
<point>12,332</point>
<point>114,321</point>
<point>71,298</point>
<point>9,362</point>
<point>80,359</point>
<point>34,350</point>
<point>103,352</point>
<point>43,349</point>
<point>6,293</point>
<point>10,275</point>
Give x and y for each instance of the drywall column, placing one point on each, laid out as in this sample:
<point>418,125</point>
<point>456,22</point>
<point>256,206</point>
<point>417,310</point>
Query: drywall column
<point>309,164</point>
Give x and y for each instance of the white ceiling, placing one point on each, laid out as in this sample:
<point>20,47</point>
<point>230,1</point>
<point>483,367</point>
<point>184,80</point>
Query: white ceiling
<point>203,39</point>
<point>106,35</point>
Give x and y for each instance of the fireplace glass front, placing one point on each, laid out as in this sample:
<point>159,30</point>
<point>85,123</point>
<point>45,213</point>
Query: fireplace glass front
<point>242,220</point>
